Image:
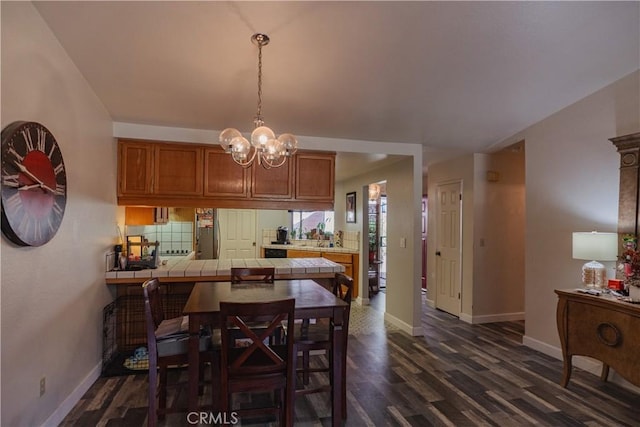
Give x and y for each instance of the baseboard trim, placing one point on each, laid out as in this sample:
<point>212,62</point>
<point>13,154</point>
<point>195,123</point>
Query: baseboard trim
<point>70,402</point>
<point>403,326</point>
<point>503,317</point>
<point>588,364</point>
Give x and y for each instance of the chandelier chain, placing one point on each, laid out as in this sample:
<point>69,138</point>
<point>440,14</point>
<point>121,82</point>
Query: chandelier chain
<point>258,120</point>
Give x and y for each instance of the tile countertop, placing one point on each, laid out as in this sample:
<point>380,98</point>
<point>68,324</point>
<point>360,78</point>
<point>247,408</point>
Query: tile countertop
<point>181,268</point>
<point>312,247</point>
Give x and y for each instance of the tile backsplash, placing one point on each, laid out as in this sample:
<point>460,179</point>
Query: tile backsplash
<point>175,237</point>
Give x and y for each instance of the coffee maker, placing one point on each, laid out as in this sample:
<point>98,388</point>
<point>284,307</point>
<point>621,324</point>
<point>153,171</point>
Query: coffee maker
<point>282,235</point>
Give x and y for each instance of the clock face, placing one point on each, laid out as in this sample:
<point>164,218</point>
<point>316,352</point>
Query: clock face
<point>34,184</point>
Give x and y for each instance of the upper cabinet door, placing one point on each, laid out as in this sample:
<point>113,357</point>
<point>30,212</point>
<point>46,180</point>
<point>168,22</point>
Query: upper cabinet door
<point>178,170</point>
<point>223,177</point>
<point>274,183</point>
<point>315,175</point>
<point>135,168</point>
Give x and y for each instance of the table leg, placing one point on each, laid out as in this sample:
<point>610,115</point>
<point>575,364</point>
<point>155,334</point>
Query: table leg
<point>338,371</point>
<point>194,361</point>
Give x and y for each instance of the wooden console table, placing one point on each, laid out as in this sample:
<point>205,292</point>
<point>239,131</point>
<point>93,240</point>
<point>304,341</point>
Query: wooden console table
<point>600,327</point>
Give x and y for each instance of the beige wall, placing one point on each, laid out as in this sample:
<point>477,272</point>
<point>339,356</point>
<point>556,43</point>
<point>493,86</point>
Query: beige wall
<point>459,169</point>
<point>572,182</point>
<point>53,295</point>
<point>499,225</point>
<point>403,306</point>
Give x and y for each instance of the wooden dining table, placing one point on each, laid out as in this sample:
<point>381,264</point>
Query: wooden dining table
<point>312,301</point>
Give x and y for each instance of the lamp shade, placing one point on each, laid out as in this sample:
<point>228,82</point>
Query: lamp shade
<point>595,246</point>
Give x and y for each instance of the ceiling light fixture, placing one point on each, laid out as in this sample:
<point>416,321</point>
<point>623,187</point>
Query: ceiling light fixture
<point>270,152</point>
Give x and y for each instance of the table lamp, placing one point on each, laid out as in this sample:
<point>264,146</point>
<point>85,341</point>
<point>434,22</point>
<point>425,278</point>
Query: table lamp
<point>596,247</point>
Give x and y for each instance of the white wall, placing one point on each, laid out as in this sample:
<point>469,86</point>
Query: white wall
<point>53,295</point>
<point>572,181</point>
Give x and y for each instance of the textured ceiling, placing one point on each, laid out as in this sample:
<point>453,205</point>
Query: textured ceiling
<point>459,76</point>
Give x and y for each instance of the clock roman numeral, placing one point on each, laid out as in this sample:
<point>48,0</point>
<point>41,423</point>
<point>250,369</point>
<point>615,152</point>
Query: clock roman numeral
<point>52,229</point>
<point>37,231</point>
<point>26,135</point>
<point>53,149</point>
<point>15,154</point>
<point>10,180</point>
<point>25,225</point>
<point>42,139</point>
<point>57,209</point>
<point>14,202</point>
<point>60,189</point>
<point>59,168</point>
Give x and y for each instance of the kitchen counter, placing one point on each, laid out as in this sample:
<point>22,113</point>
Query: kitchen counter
<point>183,270</point>
<point>311,247</point>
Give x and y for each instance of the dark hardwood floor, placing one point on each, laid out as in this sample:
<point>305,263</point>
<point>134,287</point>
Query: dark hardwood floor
<point>455,375</point>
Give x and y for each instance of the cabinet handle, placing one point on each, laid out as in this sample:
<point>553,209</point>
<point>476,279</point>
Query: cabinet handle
<point>617,338</point>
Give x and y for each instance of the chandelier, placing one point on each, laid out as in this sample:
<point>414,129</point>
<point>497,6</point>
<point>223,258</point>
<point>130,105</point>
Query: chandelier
<point>265,148</point>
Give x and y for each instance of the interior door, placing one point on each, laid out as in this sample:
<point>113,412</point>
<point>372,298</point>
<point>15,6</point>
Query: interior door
<point>448,247</point>
<point>237,229</point>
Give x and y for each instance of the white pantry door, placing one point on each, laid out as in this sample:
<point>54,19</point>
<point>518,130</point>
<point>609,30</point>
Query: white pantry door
<point>237,233</point>
<point>448,247</point>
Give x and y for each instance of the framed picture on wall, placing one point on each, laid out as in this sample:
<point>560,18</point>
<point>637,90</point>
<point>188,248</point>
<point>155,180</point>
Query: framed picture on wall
<point>351,207</point>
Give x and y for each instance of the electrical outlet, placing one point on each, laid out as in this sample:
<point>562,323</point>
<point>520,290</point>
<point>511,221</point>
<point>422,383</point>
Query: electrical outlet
<point>42,385</point>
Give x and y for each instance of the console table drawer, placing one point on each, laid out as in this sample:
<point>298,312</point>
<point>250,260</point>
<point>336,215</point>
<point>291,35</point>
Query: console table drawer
<point>599,327</point>
<point>602,333</point>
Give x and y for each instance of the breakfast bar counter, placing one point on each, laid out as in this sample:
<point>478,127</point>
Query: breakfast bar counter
<point>183,270</point>
<point>178,277</point>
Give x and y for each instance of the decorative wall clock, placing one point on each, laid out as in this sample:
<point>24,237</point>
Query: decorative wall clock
<point>34,184</point>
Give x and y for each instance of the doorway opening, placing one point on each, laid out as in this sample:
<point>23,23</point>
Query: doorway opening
<point>377,238</point>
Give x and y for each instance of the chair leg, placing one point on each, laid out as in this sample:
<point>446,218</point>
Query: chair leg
<point>305,367</point>
<point>162,399</point>
<point>152,415</point>
<point>201,378</point>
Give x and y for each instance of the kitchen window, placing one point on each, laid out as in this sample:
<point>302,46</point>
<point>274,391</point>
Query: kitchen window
<point>303,222</point>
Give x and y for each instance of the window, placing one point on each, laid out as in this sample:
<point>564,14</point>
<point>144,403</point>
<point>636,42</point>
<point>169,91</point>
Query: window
<point>304,222</point>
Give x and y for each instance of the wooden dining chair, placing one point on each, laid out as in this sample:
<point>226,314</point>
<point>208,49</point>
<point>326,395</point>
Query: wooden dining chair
<point>168,344</point>
<point>250,363</point>
<point>252,274</point>
<point>317,336</point>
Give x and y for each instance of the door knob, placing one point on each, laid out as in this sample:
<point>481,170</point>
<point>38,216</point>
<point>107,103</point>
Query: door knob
<point>438,253</point>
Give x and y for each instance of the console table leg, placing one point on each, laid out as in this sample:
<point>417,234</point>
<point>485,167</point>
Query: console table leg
<point>566,371</point>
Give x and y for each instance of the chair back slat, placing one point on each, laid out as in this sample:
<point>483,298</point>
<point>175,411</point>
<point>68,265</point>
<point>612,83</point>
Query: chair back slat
<point>343,287</point>
<point>151,289</point>
<point>263,364</point>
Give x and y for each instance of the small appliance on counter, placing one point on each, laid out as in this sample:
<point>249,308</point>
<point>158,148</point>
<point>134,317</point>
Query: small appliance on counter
<point>141,253</point>
<point>282,236</point>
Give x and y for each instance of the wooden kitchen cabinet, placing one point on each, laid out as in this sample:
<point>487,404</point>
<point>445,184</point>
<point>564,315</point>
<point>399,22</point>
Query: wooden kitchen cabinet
<point>153,173</point>
<point>274,183</point>
<point>135,168</point>
<point>600,327</point>
<point>223,177</point>
<point>351,266</point>
<point>177,169</point>
<point>293,253</point>
<point>159,169</point>
<point>315,176</point>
